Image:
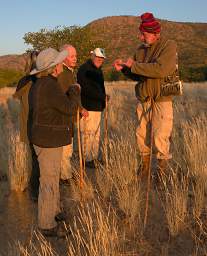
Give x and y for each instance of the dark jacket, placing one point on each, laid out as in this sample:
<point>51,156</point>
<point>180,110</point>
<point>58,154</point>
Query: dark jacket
<point>91,80</point>
<point>50,111</point>
<point>22,93</point>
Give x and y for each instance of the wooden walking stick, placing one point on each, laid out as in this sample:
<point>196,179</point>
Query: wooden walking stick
<point>80,149</point>
<point>150,165</point>
<point>84,145</point>
<point>106,133</point>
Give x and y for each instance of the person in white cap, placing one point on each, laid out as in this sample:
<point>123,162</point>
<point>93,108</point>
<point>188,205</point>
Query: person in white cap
<point>49,131</point>
<point>93,98</point>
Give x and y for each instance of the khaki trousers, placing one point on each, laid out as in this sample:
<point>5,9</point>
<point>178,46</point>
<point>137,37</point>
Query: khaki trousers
<point>162,128</point>
<point>90,135</point>
<point>66,171</point>
<point>49,195</point>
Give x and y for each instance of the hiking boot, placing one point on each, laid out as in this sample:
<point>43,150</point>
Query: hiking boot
<point>66,182</point>
<point>61,216</point>
<point>90,164</point>
<point>143,169</point>
<point>3,177</point>
<point>58,231</point>
<point>33,194</point>
<point>161,172</point>
<point>34,198</point>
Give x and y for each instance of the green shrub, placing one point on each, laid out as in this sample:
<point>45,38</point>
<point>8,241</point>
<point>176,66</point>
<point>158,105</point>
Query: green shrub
<point>9,77</point>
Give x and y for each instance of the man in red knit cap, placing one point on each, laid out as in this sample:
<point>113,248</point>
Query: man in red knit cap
<point>154,61</point>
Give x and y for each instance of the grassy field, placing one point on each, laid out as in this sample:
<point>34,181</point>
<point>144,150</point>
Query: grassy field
<point>106,217</point>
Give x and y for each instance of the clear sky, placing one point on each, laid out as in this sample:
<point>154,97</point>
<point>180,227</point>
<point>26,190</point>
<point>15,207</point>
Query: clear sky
<point>18,17</point>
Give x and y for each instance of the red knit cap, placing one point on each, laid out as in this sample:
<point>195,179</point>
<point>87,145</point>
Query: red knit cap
<point>149,23</point>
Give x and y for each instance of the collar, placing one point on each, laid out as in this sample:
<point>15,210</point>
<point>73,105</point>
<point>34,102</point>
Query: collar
<point>145,45</point>
<point>92,64</point>
<point>71,69</point>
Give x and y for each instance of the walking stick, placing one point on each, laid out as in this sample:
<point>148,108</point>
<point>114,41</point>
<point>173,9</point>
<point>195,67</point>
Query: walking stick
<point>150,165</point>
<point>84,145</point>
<point>106,133</point>
<point>80,149</point>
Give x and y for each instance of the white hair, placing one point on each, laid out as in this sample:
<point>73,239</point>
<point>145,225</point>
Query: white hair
<point>66,47</point>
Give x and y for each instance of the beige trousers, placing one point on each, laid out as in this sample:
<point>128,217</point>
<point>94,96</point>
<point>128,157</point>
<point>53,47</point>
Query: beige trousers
<point>66,171</point>
<point>90,135</point>
<point>49,195</point>
<point>162,128</point>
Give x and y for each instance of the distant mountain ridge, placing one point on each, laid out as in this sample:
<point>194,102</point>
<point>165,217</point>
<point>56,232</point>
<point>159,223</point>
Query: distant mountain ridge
<point>13,61</point>
<point>119,34</point>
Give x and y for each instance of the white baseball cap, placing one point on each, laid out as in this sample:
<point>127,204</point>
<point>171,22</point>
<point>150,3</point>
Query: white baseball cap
<point>99,52</point>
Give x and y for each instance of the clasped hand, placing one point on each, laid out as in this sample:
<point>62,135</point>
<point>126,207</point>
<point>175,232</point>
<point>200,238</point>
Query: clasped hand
<point>119,64</point>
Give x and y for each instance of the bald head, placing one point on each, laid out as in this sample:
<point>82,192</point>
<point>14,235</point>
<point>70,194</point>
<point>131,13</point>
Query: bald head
<point>71,60</point>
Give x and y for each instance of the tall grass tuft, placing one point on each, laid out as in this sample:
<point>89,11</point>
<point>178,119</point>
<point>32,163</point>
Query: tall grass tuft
<point>195,137</point>
<point>19,163</point>
<point>176,202</point>
<point>94,232</point>
<point>15,155</point>
<point>3,140</point>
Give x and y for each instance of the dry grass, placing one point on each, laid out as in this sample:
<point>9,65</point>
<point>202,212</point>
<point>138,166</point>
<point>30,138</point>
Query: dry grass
<point>110,221</point>
<point>94,231</point>
<point>175,205</point>
<point>37,245</point>
<point>15,155</point>
<point>19,163</point>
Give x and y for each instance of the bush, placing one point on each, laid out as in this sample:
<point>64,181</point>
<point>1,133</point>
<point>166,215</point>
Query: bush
<point>192,74</point>
<point>80,37</point>
<point>9,77</point>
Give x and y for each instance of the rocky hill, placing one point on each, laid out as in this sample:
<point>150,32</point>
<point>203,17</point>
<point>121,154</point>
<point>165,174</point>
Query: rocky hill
<point>14,62</point>
<point>119,35</point>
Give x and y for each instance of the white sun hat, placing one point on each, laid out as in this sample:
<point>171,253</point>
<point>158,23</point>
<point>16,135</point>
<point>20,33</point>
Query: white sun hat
<point>99,52</point>
<point>48,58</point>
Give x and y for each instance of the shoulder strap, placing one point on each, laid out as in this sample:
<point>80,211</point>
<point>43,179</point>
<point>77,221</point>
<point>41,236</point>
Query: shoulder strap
<point>159,49</point>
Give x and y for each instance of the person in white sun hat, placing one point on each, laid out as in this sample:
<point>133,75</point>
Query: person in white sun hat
<point>93,99</point>
<point>49,131</point>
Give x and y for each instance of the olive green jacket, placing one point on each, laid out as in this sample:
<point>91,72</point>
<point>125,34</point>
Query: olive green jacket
<point>152,65</point>
<point>66,81</point>
<point>22,93</point>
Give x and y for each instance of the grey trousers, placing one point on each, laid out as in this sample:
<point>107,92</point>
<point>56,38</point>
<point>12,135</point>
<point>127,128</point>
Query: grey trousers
<point>49,195</point>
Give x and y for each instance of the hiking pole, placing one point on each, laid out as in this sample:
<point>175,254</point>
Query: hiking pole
<point>106,132</point>
<point>84,145</point>
<point>150,165</point>
<point>80,149</point>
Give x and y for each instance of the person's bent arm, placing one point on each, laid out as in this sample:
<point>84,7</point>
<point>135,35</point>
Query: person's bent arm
<point>127,72</point>
<point>58,100</point>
